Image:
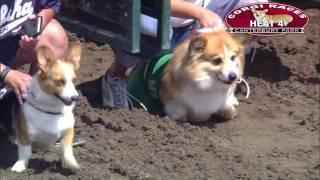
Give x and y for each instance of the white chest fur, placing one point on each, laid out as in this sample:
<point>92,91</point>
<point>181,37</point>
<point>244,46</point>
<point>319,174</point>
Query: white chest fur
<point>196,104</point>
<point>203,102</point>
<point>44,129</point>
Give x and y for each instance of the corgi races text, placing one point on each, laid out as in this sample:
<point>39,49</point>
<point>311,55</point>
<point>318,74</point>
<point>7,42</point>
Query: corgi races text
<point>46,115</point>
<point>200,79</point>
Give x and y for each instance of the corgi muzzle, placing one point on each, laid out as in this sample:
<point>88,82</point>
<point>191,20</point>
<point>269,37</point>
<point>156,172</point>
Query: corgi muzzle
<point>68,101</point>
<point>228,79</point>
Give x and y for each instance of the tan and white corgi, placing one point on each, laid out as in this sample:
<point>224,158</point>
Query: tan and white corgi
<point>200,79</point>
<point>47,113</point>
<point>263,17</point>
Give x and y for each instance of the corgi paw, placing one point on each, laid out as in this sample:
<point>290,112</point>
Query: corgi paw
<point>19,166</point>
<point>228,113</point>
<point>70,163</point>
<point>175,112</point>
<point>233,101</point>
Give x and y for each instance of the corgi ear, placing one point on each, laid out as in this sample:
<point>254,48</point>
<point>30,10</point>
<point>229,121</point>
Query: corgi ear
<point>265,11</point>
<point>74,55</point>
<point>253,9</point>
<point>44,56</point>
<point>197,44</point>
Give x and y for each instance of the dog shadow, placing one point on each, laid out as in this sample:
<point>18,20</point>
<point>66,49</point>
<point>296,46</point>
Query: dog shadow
<point>92,91</point>
<point>40,165</point>
<point>211,123</point>
<point>8,152</point>
<point>267,66</point>
<point>8,156</point>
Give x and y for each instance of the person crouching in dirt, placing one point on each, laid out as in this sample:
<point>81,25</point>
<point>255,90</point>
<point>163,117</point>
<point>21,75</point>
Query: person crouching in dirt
<point>17,49</point>
<point>185,14</point>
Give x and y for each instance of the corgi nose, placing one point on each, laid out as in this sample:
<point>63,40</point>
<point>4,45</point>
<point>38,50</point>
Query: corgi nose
<point>75,98</point>
<point>232,76</point>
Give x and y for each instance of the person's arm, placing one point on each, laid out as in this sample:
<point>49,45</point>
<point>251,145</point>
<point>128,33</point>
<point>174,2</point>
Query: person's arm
<point>47,16</point>
<point>48,10</point>
<point>185,9</point>
<point>17,80</point>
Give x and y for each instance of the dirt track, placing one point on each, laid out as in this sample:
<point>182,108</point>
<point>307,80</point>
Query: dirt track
<point>275,136</point>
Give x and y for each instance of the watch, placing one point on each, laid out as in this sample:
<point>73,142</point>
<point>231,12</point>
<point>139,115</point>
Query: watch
<point>4,73</point>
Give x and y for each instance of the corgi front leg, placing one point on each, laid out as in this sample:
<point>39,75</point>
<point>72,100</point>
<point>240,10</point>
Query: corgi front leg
<point>69,160</point>
<point>24,154</point>
<point>229,110</point>
<point>175,110</point>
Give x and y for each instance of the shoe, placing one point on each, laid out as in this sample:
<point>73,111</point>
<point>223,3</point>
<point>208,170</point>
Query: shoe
<point>114,91</point>
<point>77,141</point>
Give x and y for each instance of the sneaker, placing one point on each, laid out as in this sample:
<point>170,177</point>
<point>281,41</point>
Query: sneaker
<point>78,140</point>
<point>114,91</point>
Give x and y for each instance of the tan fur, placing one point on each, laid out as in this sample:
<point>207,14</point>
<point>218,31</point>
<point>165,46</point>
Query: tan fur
<point>196,54</point>
<point>19,126</point>
<point>215,42</point>
<point>56,71</point>
<point>68,138</point>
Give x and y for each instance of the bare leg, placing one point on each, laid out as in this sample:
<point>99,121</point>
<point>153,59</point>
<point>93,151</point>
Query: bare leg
<point>52,36</point>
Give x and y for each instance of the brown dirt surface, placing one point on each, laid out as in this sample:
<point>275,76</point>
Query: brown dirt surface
<point>275,136</point>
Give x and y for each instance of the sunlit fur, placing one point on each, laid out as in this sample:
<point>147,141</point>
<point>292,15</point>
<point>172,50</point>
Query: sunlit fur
<point>196,81</point>
<point>52,90</point>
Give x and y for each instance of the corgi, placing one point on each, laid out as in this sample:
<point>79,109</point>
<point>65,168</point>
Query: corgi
<point>263,17</point>
<point>194,81</point>
<point>201,78</point>
<point>47,112</point>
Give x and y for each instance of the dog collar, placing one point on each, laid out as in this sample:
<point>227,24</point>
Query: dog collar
<point>41,110</point>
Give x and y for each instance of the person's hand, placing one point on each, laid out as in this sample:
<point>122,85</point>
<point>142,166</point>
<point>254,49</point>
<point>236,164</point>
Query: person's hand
<point>207,18</point>
<point>19,82</point>
<point>27,42</point>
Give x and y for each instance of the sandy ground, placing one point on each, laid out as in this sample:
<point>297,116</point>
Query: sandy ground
<point>275,136</point>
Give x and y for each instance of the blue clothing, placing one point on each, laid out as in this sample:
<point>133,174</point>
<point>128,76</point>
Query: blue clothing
<point>13,14</point>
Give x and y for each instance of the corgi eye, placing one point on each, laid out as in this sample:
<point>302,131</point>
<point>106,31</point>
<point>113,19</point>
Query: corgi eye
<point>217,61</point>
<point>233,57</point>
<point>60,82</point>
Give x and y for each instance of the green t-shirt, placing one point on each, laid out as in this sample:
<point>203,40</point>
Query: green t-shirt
<point>145,80</point>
